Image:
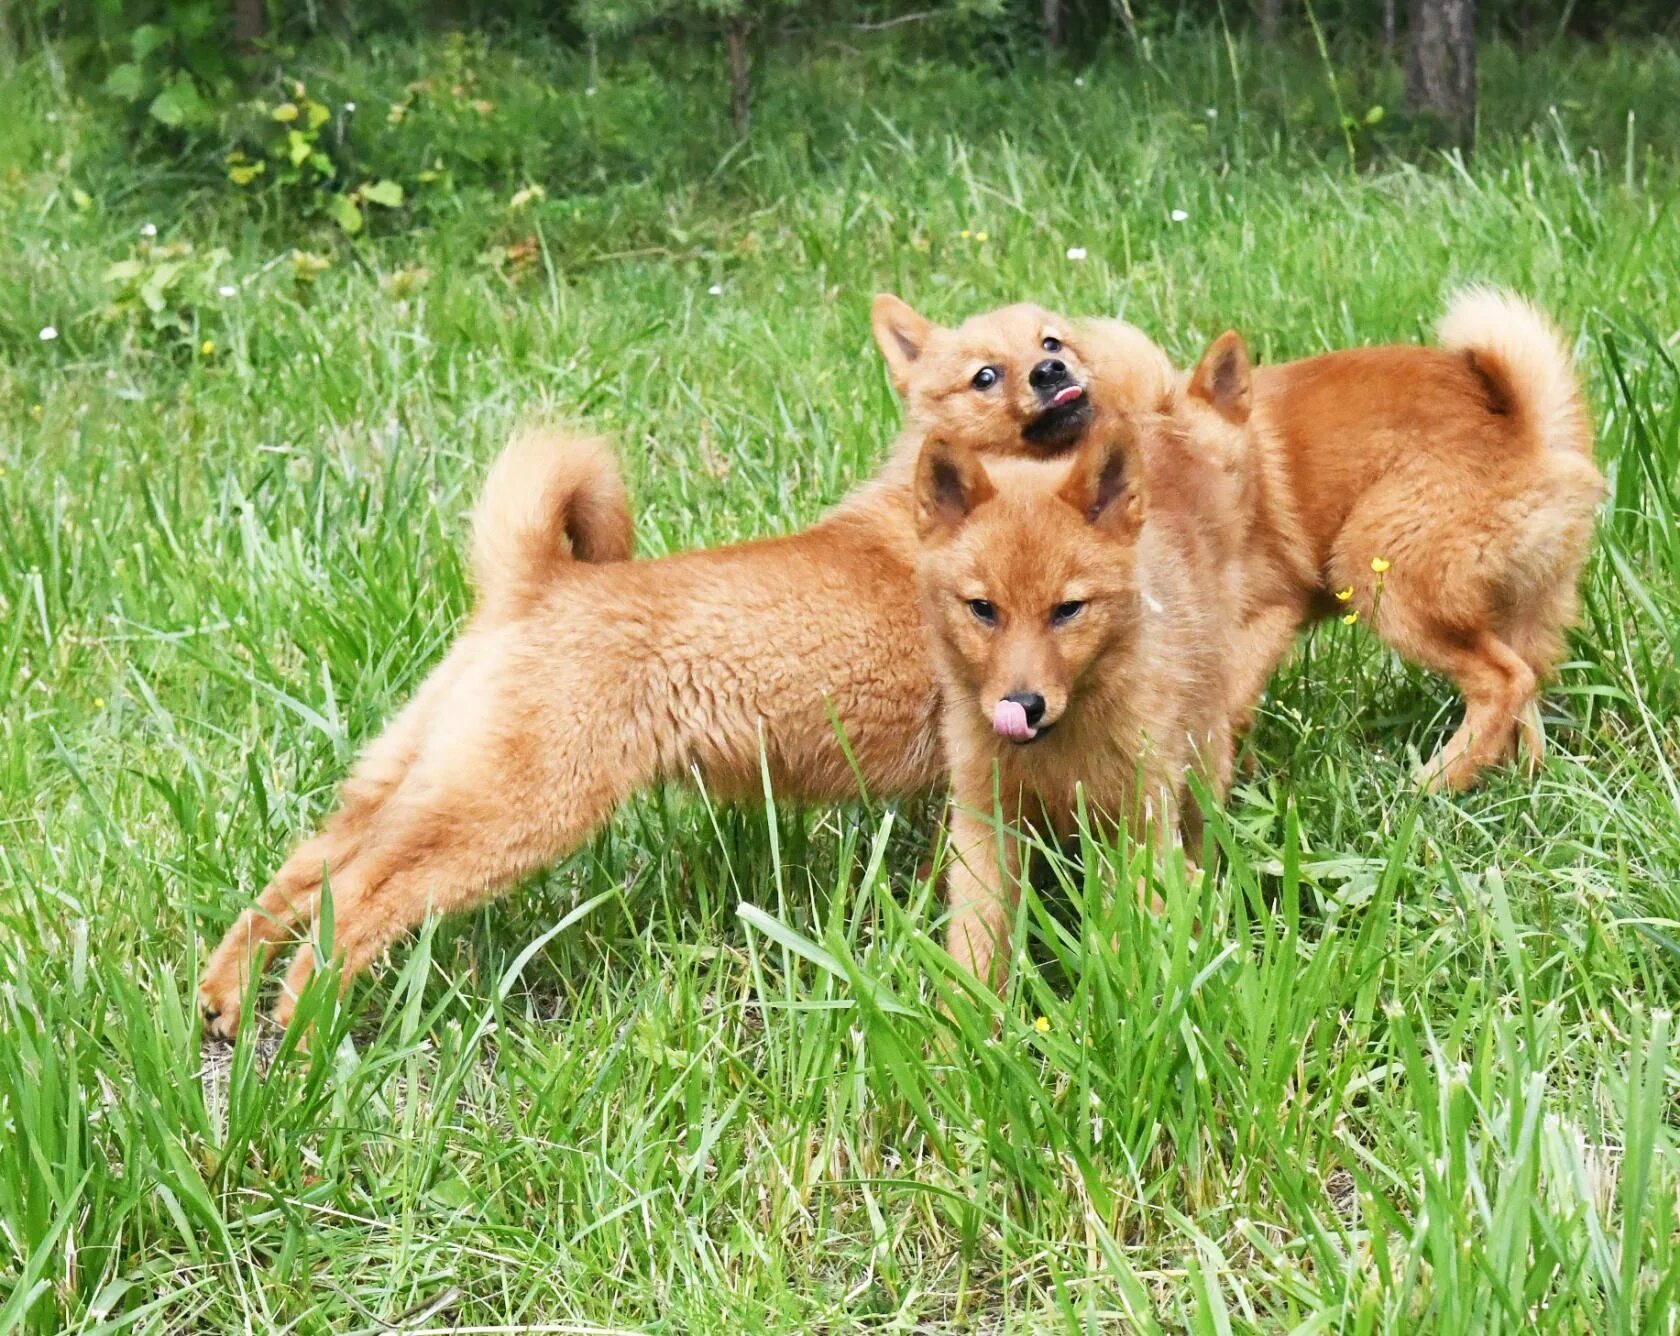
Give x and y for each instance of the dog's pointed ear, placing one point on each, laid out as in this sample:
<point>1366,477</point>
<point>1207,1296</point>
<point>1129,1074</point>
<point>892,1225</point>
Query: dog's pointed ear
<point>950,483</point>
<point>1222,379</point>
<point>1103,483</point>
<point>902,334</point>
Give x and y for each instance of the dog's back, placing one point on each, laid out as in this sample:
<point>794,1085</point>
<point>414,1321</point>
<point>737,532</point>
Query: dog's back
<point>1485,419</point>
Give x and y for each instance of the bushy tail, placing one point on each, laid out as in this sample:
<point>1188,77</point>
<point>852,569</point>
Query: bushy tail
<point>1525,359</point>
<point>549,500</point>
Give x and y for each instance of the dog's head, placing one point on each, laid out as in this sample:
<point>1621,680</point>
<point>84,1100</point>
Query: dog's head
<point>1012,380</point>
<point>1028,573</point>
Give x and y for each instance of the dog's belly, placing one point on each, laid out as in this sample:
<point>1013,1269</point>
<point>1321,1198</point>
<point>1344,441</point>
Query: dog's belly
<point>817,733</point>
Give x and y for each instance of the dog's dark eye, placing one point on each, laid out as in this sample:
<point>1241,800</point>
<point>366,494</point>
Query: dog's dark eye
<point>1052,344</point>
<point>1063,613</point>
<point>983,611</point>
<point>985,378</point>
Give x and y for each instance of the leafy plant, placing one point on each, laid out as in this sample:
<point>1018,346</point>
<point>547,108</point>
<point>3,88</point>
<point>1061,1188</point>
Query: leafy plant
<point>169,293</point>
<point>178,70</point>
<point>298,146</point>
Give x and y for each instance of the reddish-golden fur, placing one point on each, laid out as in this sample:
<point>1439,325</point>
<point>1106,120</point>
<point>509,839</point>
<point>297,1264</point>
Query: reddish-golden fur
<point>1445,495</point>
<point>583,677</point>
<point>1092,590</point>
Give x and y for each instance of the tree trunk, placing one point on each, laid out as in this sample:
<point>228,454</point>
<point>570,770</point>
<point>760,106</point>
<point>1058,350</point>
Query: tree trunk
<point>1055,33</point>
<point>1271,15</point>
<point>250,24</point>
<point>1441,66</point>
<point>1388,32</point>
<point>740,90</point>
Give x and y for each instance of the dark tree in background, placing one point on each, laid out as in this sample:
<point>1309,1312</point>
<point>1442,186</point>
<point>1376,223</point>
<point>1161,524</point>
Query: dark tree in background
<point>1441,64</point>
<point>1055,30</point>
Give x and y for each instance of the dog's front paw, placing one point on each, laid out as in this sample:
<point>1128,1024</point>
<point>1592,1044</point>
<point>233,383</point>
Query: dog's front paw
<point>221,1000</point>
<point>220,1014</point>
<point>1444,773</point>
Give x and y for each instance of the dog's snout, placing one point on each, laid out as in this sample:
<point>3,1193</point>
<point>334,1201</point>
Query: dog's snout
<point>1048,374</point>
<point>1032,703</point>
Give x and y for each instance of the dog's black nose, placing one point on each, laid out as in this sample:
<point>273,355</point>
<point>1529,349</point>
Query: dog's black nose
<point>1048,374</point>
<point>1031,702</point>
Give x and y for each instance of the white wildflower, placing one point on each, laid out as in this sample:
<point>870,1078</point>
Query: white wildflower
<point>149,230</point>
<point>1178,215</point>
<point>1076,252</point>
<point>48,334</point>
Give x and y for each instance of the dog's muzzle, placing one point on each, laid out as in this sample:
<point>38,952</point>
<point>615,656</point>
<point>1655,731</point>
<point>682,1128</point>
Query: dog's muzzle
<point>1063,419</point>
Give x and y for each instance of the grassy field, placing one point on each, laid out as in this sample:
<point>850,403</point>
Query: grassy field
<point>1404,1065</point>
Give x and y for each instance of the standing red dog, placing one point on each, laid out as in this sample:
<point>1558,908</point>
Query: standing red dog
<point>1443,495</point>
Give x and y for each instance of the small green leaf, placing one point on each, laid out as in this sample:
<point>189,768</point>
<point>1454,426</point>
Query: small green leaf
<point>387,193</point>
<point>1374,115</point>
<point>148,37</point>
<point>298,148</point>
<point>346,214</point>
<point>126,82</point>
<point>178,104</point>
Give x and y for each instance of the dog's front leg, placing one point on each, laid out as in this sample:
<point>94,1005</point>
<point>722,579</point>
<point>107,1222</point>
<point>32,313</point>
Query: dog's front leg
<point>1257,647</point>
<point>981,888</point>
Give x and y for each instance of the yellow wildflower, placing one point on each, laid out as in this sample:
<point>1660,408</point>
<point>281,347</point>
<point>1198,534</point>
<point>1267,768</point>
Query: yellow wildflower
<point>1379,564</point>
<point>966,234</point>
<point>99,702</point>
<point>1343,595</point>
<point>207,347</point>
<point>1351,618</point>
<point>981,236</point>
<point>36,412</point>
<point>1042,1025</point>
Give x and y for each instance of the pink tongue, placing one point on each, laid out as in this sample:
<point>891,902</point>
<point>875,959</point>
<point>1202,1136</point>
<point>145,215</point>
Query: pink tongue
<point>1066,396</point>
<point>1009,720</point>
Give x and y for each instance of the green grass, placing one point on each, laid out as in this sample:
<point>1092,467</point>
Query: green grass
<point>1404,1065</point>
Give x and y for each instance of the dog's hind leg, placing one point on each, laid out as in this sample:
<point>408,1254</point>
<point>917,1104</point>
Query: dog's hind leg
<point>463,829</point>
<point>291,896</point>
<point>1498,689</point>
<point>1540,592</point>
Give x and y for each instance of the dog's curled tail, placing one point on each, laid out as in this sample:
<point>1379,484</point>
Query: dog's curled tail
<point>1521,355</point>
<point>550,499</point>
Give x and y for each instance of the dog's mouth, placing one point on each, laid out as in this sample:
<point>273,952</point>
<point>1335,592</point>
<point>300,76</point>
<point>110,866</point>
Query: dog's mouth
<point>1009,721</point>
<point>1062,421</point>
